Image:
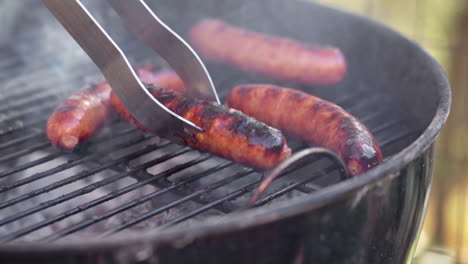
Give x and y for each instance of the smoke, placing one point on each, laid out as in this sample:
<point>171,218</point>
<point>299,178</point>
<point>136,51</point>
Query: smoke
<point>33,32</point>
<point>9,15</point>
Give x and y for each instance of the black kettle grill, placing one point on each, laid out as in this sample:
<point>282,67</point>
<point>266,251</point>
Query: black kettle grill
<point>128,197</point>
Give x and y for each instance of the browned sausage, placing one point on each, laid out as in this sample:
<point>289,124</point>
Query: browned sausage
<point>311,119</point>
<point>227,132</point>
<point>81,115</point>
<point>281,58</point>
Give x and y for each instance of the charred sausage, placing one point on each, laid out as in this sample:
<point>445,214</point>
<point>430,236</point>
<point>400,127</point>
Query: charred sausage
<point>311,119</point>
<point>227,132</point>
<point>280,58</point>
<point>81,115</point>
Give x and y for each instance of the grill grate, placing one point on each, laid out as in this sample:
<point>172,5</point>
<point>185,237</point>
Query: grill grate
<point>124,180</point>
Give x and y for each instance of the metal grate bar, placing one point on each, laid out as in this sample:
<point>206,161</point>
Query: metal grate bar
<point>243,190</point>
<point>68,180</point>
<point>370,117</point>
<point>21,125</point>
<point>68,165</point>
<point>193,195</point>
<point>187,191</point>
<point>394,138</point>
<point>383,126</point>
<point>35,76</point>
<point>38,81</point>
<point>209,188</point>
<point>54,155</point>
<point>20,93</point>
<point>20,140</point>
<point>233,195</point>
<point>20,100</point>
<point>29,165</point>
<point>140,200</point>
<point>23,152</point>
<point>89,188</point>
<point>373,99</point>
<point>309,188</point>
<point>137,202</point>
<point>293,186</point>
<point>204,208</point>
<point>348,99</point>
<point>10,94</point>
<point>29,112</point>
<point>24,101</point>
<point>96,202</point>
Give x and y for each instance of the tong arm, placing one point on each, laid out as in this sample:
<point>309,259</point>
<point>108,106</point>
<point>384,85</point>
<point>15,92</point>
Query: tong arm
<point>117,70</point>
<point>147,26</point>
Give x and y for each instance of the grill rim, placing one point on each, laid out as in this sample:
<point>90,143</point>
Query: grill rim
<point>387,171</point>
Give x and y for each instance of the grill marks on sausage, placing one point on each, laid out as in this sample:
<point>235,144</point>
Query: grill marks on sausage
<point>163,79</point>
<point>297,97</point>
<point>278,57</point>
<point>319,122</point>
<point>227,132</point>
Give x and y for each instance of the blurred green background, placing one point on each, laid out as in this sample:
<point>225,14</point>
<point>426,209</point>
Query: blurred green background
<point>441,28</point>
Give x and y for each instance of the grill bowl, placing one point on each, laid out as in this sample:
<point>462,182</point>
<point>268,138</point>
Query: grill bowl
<point>374,218</point>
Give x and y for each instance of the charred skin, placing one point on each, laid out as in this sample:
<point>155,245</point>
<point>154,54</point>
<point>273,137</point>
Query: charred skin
<point>164,79</point>
<point>311,119</point>
<point>280,58</point>
<point>227,132</point>
<point>79,116</point>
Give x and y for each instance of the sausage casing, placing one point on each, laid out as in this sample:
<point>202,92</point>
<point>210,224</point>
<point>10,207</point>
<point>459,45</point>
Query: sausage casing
<point>163,79</point>
<point>80,116</point>
<point>311,119</point>
<point>280,58</point>
<point>227,132</point>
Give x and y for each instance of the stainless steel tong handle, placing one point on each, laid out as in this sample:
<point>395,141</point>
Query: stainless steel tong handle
<point>116,68</point>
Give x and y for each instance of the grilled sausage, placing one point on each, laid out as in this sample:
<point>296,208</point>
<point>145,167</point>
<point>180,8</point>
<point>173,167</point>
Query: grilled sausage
<point>311,119</point>
<point>81,115</point>
<point>280,58</point>
<point>227,132</point>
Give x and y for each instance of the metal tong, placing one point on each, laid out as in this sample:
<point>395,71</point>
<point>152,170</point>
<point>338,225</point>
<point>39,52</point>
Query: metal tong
<point>117,70</point>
